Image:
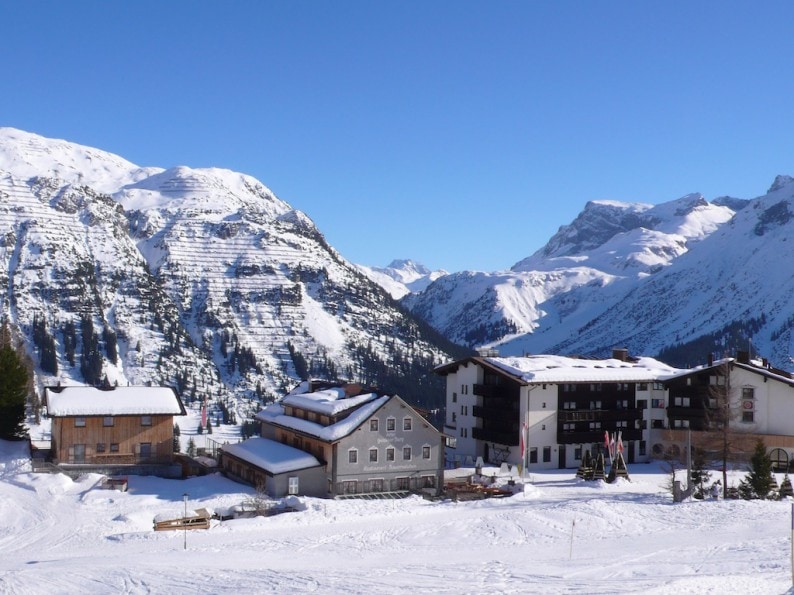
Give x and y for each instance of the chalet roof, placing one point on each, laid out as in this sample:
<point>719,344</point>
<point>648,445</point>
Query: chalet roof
<point>128,400</point>
<point>271,456</point>
<point>274,414</point>
<point>755,366</point>
<point>331,402</point>
<point>535,369</point>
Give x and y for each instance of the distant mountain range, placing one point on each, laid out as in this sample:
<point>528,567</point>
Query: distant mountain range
<point>402,277</point>
<point>197,278</point>
<point>678,280</point>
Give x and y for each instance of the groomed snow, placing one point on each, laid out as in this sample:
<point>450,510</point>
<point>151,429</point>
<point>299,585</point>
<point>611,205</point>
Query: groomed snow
<point>561,535</point>
<point>122,400</point>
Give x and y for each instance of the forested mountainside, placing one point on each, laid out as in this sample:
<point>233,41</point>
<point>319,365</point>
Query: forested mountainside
<point>197,278</point>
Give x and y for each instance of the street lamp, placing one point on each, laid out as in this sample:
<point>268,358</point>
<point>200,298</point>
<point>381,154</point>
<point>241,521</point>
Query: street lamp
<point>184,519</point>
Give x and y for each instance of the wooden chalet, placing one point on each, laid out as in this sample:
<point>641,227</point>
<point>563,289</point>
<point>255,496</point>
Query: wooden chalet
<point>123,429</point>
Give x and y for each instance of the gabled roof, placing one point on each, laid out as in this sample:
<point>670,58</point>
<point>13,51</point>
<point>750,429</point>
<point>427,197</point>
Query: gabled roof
<point>331,402</point>
<point>536,369</point>
<point>271,456</point>
<point>756,367</point>
<point>274,414</point>
<point>128,400</point>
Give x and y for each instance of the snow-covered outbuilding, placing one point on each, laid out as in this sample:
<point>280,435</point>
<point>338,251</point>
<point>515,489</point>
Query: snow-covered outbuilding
<point>123,429</point>
<point>365,442</point>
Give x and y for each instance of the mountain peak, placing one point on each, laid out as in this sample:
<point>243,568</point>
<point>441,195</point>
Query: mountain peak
<point>780,182</point>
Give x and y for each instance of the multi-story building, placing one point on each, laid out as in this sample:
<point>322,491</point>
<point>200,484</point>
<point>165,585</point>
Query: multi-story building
<point>123,429</point>
<point>360,442</point>
<point>558,406</point>
<point>751,398</point>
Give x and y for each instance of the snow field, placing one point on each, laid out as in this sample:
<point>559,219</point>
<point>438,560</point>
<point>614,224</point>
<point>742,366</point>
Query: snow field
<point>561,535</point>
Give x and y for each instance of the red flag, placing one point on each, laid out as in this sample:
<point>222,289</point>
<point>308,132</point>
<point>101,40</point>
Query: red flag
<point>612,446</point>
<point>204,415</point>
<point>620,442</point>
<point>523,446</point>
<point>606,440</point>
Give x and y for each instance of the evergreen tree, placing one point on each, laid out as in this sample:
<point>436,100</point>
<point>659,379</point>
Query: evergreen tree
<point>209,426</point>
<point>191,447</point>
<point>759,482</point>
<point>14,380</point>
<point>700,476</point>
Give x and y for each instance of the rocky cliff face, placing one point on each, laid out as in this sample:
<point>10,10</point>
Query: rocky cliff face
<point>201,279</point>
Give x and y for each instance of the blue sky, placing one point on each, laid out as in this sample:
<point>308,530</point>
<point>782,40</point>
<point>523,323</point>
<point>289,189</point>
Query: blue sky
<point>460,134</point>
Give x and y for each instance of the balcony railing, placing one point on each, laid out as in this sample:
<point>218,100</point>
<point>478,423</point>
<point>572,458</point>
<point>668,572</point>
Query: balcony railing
<point>496,413</point>
<point>607,415</point>
<point>595,436</point>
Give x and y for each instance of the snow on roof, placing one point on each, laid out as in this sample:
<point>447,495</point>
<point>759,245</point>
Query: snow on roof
<point>127,400</point>
<point>275,414</point>
<point>332,401</point>
<point>557,368</point>
<point>272,456</point>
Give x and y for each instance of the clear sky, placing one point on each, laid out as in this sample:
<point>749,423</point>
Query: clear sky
<point>460,134</point>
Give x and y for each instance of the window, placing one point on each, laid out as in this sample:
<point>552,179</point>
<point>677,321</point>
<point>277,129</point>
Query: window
<point>748,416</point>
<point>716,380</point>
<point>390,454</point>
<point>79,453</point>
<point>569,405</point>
<point>658,386</point>
<point>533,454</point>
<point>464,433</point>
<point>352,456</point>
<point>114,447</point>
<point>657,403</point>
<point>454,397</point>
<point>642,448</point>
<point>748,393</point>
<point>595,425</point>
<point>454,417</point>
<point>402,483</point>
<point>390,424</point>
<point>623,424</point>
<point>425,452</point>
<point>544,405</point>
<point>681,401</point>
<point>568,388</point>
<point>406,453</point>
<point>407,424</point>
<point>657,424</point>
<point>373,425</point>
<point>547,454</point>
<point>100,447</point>
<point>680,423</point>
<point>577,453</point>
<point>292,488</point>
<point>428,481</point>
<point>146,420</point>
<point>642,403</point>
<point>107,421</point>
<point>595,404</point>
<point>145,450</point>
<point>568,427</point>
<point>79,422</point>
<point>642,386</point>
<point>375,485</point>
<point>373,455</point>
<point>622,404</point>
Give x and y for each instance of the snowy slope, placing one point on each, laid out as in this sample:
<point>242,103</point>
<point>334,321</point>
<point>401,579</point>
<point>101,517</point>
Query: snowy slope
<point>610,248</point>
<point>402,277</point>
<point>209,281</point>
<point>558,535</point>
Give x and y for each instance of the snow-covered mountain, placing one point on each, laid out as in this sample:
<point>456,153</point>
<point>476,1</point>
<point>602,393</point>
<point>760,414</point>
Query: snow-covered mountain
<point>679,279</point>
<point>196,277</point>
<point>402,277</point>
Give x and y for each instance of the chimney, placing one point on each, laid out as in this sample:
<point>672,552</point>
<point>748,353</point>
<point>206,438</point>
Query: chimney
<point>743,357</point>
<point>620,353</point>
<point>711,359</point>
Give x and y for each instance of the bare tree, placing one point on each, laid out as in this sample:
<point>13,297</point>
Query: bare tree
<point>722,436</point>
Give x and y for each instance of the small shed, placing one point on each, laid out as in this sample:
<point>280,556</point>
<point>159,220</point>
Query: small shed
<point>276,468</point>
